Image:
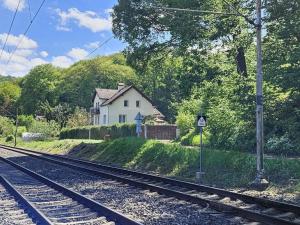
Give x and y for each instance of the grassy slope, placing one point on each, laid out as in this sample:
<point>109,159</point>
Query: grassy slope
<point>53,146</point>
<point>223,169</point>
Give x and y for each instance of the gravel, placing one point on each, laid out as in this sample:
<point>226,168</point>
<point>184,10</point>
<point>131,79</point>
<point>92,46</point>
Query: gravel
<point>11,211</point>
<point>144,206</point>
<point>58,207</point>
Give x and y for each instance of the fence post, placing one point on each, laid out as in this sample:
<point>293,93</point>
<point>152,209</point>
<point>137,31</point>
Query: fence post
<point>145,131</point>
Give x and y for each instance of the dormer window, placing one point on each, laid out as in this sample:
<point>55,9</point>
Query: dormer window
<point>125,103</point>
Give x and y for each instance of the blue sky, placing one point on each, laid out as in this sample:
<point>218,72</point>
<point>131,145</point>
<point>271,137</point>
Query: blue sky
<point>63,33</point>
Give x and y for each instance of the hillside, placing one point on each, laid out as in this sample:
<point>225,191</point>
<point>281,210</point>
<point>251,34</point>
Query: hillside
<point>7,78</point>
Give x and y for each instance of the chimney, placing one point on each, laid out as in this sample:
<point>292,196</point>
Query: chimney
<point>120,86</point>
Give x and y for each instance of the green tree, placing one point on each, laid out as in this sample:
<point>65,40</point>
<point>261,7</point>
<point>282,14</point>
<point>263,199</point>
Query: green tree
<point>79,118</point>
<point>9,94</point>
<point>39,86</point>
<point>149,30</point>
<point>81,79</point>
<point>6,126</point>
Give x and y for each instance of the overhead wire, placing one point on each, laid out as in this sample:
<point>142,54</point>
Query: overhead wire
<point>101,45</point>
<point>239,13</point>
<point>26,31</point>
<point>10,27</point>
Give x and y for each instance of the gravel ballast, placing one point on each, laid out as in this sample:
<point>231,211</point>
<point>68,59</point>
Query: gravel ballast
<point>142,205</point>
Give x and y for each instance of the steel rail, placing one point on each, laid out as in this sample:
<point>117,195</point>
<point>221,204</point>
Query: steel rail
<point>36,215</point>
<point>180,195</point>
<point>102,210</point>
<point>246,198</point>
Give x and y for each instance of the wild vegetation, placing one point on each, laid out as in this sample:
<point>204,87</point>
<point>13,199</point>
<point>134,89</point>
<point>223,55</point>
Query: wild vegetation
<point>187,63</point>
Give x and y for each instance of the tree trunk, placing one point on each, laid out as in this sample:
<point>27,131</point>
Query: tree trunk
<point>241,62</point>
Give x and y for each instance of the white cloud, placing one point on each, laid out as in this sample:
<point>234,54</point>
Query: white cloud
<point>87,19</point>
<point>62,28</point>
<point>62,61</point>
<point>25,42</point>
<point>12,4</point>
<point>77,53</point>
<point>24,52</point>
<point>93,45</point>
<point>37,61</point>
<point>21,61</point>
<point>44,54</point>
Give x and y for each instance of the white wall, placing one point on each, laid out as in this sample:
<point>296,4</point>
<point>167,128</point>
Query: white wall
<point>103,112</point>
<point>97,117</point>
<point>117,107</point>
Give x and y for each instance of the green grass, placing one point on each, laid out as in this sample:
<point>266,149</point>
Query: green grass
<point>50,146</point>
<point>222,168</point>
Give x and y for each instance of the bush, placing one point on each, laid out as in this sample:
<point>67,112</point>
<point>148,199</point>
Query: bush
<point>9,138</point>
<point>49,129</point>
<point>80,117</point>
<point>6,126</point>
<point>21,130</point>
<point>25,120</point>
<point>186,118</point>
<point>193,138</point>
<point>98,132</point>
<point>280,145</point>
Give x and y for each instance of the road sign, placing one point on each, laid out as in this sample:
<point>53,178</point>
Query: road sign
<point>138,117</point>
<point>201,121</point>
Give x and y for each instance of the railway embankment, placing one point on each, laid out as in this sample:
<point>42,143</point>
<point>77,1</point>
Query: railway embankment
<point>227,169</point>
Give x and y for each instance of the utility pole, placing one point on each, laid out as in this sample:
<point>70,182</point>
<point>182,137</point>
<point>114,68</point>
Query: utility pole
<point>16,131</point>
<point>259,181</point>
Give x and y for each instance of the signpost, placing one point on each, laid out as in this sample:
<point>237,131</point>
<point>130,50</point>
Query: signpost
<point>138,119</point>
<point>201,124</point>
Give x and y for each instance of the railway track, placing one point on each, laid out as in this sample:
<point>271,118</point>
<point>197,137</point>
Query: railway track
<point>53,203</point>
<point>16,209</point>
<point>252,208</point>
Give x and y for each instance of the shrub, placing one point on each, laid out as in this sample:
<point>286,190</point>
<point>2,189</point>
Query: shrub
<point>193,138</point>
<point>49,129</point>
<point>25,120</point>
<point>9,138</point>
<point>186,118</point>
<point>98,132</point>
<point>21,130</point>
<point>280,145</point>
<point>6,126</point>
<point>80,117</point>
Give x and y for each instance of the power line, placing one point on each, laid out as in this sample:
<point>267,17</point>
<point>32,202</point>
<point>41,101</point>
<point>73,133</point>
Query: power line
<point>196,11</point>
<point>103,43</point>
<point>10,27</point>
<point>26,31</point>
<point>210,12</point>
<point>239,13</point>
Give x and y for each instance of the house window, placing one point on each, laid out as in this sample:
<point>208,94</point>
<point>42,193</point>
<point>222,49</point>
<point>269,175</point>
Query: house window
<point>125,103</point>
<point>122,118</point>
<point>104,119</point>
<point>137,103</point>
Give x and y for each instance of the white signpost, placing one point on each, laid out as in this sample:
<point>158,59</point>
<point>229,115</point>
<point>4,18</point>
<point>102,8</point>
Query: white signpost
<point>138,119</point>
<point>201,124</point>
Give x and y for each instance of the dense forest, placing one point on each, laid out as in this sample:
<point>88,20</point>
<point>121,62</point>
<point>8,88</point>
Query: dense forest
<point>186,63</point>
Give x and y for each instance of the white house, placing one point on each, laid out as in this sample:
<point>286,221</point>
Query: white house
<point>120,106</point>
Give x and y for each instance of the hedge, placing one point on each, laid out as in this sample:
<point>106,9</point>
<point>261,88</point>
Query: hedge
<point>99,132</point>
